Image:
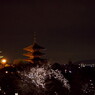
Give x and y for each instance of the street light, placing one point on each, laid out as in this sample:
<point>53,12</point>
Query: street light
<point>3,61</point>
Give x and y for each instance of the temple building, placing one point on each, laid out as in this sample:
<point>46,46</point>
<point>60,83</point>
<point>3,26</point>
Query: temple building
<point>34,54</point>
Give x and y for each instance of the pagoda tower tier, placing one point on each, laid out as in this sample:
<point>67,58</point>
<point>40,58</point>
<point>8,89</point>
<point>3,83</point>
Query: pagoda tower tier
<point>34,54</point>
<point>34,47</point>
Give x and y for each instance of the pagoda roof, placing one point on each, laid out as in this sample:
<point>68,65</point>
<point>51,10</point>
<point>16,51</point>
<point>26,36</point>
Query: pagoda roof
<point>36,53</point>
<point>33,47</point>
<point>28,55</point>
<point>28,60</point>
<point>36,46</point>
<point>38,59</point>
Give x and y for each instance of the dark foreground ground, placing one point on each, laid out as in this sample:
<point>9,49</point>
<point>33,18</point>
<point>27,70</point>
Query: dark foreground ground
<point>81,81</point>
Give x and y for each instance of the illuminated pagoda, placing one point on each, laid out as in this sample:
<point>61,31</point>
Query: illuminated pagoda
<point>34,54</point>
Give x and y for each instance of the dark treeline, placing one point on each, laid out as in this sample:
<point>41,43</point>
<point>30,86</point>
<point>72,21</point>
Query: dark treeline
<point>81,81</point>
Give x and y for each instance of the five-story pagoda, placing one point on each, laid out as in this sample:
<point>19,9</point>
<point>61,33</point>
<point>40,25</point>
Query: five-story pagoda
<point>34,54</point>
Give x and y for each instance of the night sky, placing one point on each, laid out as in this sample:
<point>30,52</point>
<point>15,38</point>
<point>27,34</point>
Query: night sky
<point>66,28</point>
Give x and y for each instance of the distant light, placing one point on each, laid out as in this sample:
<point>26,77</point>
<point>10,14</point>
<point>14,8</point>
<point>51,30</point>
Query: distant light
<point>4,93</point>
<point>65,71</point>
<point>91,83</point>
<point>70,71</point>
<point>16,93</point>
<point>6,72</point>
<point>55,93</point>
<point>3,61</point>
<point>0,89</point>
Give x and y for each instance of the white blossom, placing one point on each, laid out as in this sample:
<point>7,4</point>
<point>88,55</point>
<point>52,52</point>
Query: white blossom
<point>38,75</point>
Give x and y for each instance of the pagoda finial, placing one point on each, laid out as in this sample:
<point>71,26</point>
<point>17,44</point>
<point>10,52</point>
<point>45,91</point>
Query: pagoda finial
<point>34,37</point>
